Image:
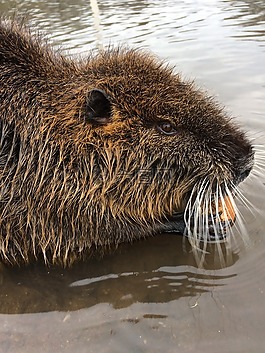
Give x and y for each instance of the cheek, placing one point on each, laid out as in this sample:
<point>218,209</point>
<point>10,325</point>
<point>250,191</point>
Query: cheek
<point>124,128</point>
<point>115,128</point>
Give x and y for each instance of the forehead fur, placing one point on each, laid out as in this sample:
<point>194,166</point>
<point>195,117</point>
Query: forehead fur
<point>141,85</point>
<point>137,82</point>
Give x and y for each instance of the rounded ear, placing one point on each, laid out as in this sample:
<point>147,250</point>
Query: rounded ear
<point>98,107</point>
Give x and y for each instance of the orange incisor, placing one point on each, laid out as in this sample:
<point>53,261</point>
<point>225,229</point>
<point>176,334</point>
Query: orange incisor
<point>226,210</point>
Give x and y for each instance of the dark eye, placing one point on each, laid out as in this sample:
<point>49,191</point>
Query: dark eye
<point>166,128</point>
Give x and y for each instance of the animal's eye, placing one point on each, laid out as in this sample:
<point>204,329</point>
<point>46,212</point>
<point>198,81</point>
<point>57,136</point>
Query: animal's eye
<point>166,128</point>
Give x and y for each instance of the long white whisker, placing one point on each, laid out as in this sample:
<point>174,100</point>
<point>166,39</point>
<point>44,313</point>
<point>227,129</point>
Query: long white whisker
<point>211,210</point>
<point>239,225</point>
<point>242,198</point>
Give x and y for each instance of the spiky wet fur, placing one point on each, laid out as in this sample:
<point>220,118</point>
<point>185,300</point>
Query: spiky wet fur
<point>69,187</point>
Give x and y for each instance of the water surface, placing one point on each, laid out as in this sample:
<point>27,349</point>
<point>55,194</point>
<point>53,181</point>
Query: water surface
<point>150,296</point>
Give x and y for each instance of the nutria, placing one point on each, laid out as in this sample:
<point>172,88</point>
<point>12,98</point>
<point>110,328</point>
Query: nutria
<point>107,149</point>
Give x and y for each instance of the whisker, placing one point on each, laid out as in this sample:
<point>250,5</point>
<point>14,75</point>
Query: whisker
<point>258,146</point>
<point>240,224</point>
<point>243,199</point>
<point>195,210</point>
<point>260,160</point>
<point>259,171</point>
<point>208,216</point>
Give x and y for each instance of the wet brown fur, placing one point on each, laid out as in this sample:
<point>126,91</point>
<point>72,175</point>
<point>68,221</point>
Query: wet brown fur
<point>69,186</point>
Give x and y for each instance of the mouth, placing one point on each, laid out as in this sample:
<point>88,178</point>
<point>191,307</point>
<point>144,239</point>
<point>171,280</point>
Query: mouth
<point>211,227</point>
<point>222,220</point>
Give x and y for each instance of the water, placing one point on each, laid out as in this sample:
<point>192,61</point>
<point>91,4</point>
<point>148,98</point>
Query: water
<point>150,296</point>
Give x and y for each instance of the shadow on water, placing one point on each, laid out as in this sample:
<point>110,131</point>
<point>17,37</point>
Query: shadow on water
<point>156,270</point>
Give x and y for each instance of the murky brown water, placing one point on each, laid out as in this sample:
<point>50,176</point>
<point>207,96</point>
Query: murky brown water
<point>150,296</point>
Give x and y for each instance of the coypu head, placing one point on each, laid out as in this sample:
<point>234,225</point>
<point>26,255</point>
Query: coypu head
<point>188,155</point>
<point>108,149</point>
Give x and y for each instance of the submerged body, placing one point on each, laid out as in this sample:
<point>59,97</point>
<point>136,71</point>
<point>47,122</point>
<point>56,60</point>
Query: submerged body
<point>105,150</point>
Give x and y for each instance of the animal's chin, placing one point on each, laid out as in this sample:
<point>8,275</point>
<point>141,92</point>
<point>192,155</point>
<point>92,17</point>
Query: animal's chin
<point>215,225</point>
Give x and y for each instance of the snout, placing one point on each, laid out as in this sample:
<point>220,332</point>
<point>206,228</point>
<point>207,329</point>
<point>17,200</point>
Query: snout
<point>244,172</point>
<point>220,222</point>
<point>213,226</point>
<point>244,166</point>
<point>210,213</point>
<point>210,227</point>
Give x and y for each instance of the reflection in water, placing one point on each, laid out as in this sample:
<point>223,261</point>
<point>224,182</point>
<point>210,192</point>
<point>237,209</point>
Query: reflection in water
<point>250,15</point>
<point>159,273</point>
<point>76,23</point>
<point>98,28</point>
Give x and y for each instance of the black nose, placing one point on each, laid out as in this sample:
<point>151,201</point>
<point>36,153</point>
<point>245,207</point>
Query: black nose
<point>243,174</point>
<point>243,165</point>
